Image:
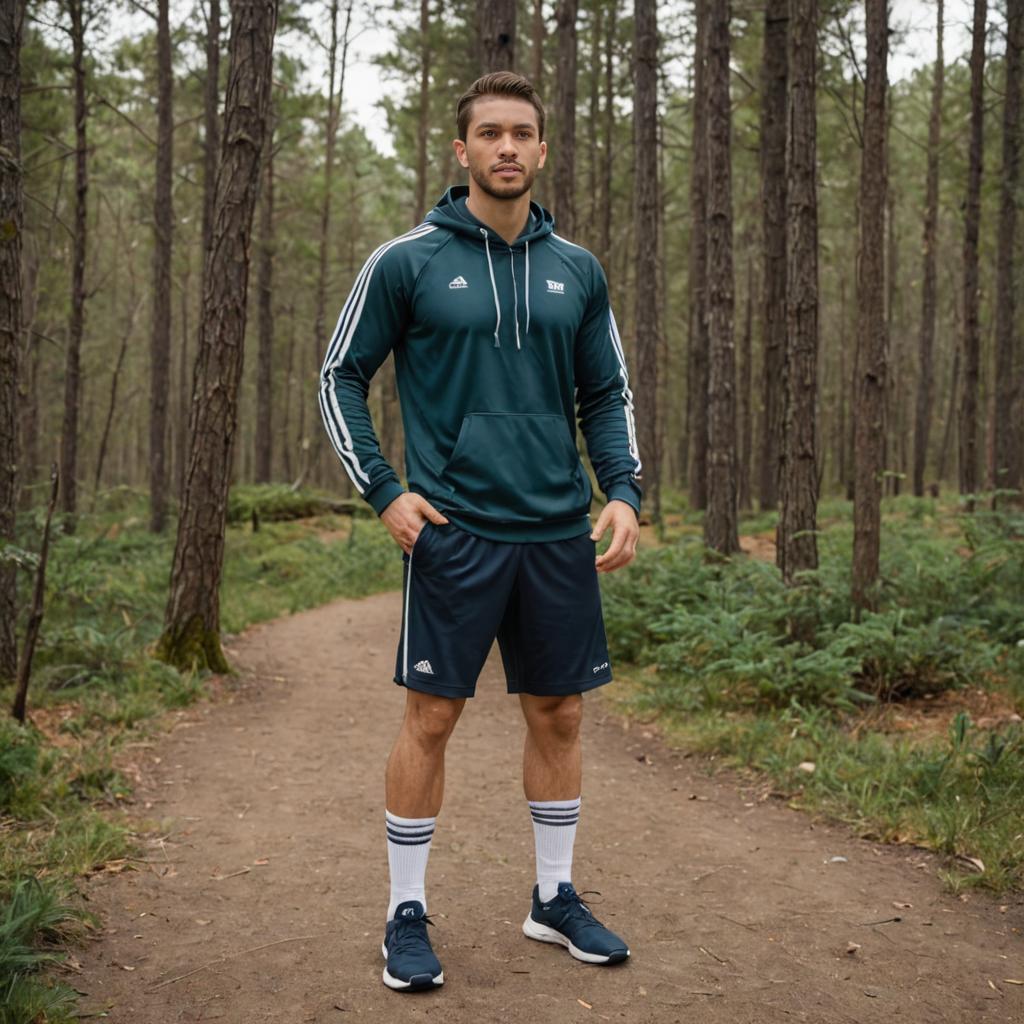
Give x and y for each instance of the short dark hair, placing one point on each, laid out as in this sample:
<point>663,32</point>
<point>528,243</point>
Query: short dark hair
<point>498,83</point>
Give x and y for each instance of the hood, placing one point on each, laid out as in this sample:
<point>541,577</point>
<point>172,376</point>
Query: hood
<point>450,212</point>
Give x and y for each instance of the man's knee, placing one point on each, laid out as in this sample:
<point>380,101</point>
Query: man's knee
<point>431,719</point>
<point>555,719</point>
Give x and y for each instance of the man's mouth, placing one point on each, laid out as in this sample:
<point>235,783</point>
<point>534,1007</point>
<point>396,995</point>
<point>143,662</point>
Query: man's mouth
<point>507,170</point>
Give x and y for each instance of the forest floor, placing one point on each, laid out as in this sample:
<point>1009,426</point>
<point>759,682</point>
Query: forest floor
<point>262,893</point>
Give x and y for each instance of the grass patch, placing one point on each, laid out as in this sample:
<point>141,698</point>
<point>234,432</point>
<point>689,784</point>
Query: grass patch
<point>738,665</point>
<point>96,687</point>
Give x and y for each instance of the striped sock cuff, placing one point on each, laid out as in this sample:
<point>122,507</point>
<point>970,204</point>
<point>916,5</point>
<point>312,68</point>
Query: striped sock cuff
<point>409,831</point>
<point>555,812</point>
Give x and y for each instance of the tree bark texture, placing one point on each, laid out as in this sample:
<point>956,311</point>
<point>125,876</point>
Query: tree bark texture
<point>265,292</point>
<point>537,33</point>
<point>746,412</point>
<point>645,121</point>
<point>565,120</point>
<point>76,322</point>
<point>607,164</point>
<point>12,218</point>
<point>335,95</point>
<point>926,342</point>
<point>871,369</point>
<point>773,219</point>
<point>721,520</point>
<point>1009,354</point>
<point>192,618</point>
<point>163,229</point>
<point>496,35</point>
<point>423,124</point>
<point>697,378</point>
<point>211,122</point>
<point>968,414</point>
<point>797,548</point>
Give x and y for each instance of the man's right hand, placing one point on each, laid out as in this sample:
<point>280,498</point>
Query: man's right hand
<point>405,517</point>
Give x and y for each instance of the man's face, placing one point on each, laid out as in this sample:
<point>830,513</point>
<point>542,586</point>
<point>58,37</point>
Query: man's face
<point>503,150</point>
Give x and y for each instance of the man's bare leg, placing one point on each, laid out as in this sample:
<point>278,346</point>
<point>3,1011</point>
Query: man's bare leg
<point>414,790</point>
<point>552,758</point>
<point>552,779</point>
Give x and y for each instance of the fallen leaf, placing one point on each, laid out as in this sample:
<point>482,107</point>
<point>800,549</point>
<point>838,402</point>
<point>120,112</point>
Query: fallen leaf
<point>586,1006</point>
<point>1013,981</point>
<point>902,906</point>
<point>262,860</point>
<point>852,947</point>
<point>807,766</point>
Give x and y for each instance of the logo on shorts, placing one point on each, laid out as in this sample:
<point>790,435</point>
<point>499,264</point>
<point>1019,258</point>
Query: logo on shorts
<point>597,668</point>
<point>458,282</point>
<point>424,666</point>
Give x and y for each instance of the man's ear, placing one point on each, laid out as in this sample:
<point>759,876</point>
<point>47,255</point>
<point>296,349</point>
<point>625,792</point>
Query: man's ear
<point>543,155</point>
<point>460,152</point>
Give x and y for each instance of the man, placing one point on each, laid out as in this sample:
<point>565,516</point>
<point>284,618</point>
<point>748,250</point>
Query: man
<point>499,329</point>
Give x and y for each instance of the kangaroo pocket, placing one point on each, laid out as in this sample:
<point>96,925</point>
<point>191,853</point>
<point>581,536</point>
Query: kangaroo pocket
<point>516,467</point>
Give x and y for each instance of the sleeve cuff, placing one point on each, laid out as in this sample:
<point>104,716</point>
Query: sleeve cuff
<point>627,491</point>
<point>383,494</point>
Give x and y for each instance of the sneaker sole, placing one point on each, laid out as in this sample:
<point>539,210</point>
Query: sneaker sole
<point>542,933</point>
<point>417,983</point>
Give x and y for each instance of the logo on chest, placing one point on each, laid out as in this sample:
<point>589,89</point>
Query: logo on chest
<point>556,287</point>
<point>459,282</point>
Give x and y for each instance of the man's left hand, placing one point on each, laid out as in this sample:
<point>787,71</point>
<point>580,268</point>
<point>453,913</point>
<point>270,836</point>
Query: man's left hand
<point>619,515</point>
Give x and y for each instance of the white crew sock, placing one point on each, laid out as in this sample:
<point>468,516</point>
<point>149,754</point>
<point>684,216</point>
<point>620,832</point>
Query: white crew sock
<point>554,832</point>
<point>408,850</point>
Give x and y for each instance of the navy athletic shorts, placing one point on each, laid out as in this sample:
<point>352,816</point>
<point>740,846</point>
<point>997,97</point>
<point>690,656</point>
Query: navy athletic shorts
<point>540,599</point>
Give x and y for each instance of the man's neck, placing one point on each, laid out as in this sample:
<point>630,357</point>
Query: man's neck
<point>507,217</point>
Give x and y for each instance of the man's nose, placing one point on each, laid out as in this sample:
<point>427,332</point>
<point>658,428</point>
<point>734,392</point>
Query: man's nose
<point>508,146</point>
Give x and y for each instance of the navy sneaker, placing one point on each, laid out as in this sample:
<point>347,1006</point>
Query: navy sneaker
<point>411,964</point>
<point>568,921</point>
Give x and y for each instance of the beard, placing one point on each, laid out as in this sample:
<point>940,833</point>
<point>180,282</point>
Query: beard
<point>500,189</point>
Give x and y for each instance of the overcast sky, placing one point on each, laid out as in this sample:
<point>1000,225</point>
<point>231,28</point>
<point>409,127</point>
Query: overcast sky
<point>365,85</point>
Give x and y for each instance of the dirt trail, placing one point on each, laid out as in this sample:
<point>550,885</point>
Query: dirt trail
<point>272,802</point>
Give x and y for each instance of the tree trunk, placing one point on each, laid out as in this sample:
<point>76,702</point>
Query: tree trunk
<point>76,322</point>
<point>968,418</point>
<point>565,120</point>
<point>926,344</point>
<point>605,253</point>
<point>184,386</point>
<point>746,392</point>
<point>721,531</point>
<point>645,218</point>
<point>211,122</point>
<point>797,548</point>
<point>773,219</point>
<point>265,291</point>
<point>12,215</point>
<point>496,35</point>
<point>1009,355</point>
<point>163,235</point>
<point>870,374</point>
<point>313,447</point>
<point>192,619</point>
<point>697,378</point>
<point>537,34</point>
<point>423,125</point>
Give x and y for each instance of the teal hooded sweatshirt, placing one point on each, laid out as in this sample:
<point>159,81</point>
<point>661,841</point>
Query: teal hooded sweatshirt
<point>498,350</point>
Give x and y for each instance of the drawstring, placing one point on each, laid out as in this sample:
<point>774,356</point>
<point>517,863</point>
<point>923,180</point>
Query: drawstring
<point>494,288</point>
<point>527,288</point>
<point>515,290</point>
